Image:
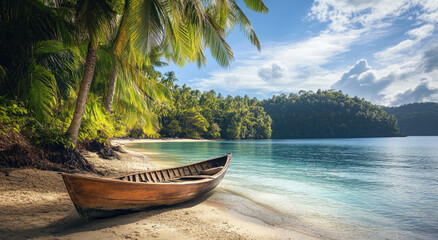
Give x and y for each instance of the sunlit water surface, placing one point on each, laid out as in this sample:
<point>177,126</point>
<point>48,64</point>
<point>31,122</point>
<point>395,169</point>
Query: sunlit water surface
<point>375,187</point>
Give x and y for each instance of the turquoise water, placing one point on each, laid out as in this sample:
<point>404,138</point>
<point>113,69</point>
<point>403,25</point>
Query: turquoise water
<point>382,188</point>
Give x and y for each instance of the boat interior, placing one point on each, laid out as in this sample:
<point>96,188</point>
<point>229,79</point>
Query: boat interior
<point>197,171</point>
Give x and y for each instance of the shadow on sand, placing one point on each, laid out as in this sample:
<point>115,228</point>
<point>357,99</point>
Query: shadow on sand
<point>73,223</point>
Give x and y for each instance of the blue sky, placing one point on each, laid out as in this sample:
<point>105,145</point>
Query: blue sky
<point>385,51</point>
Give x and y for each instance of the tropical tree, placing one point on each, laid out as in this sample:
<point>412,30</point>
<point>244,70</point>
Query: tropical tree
<point>93,20</point>
<point>169,79</point>
<point>136,38</point>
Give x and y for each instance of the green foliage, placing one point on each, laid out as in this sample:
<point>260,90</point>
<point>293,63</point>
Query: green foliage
<point>49,136</point>
<point>193,114</point>
<point>173,128</point>
<point>194,124</point>
<point>214,131</point>
<point>13,116</point>
<point>327,114</point>
<point>40,92</point>
<point>96,123</point>
<point>416,119</point>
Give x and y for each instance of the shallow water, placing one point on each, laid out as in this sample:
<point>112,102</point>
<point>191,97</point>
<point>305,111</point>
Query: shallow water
<point>372,187</point>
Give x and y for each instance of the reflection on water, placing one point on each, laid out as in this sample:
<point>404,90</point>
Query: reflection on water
<point>380,187</point>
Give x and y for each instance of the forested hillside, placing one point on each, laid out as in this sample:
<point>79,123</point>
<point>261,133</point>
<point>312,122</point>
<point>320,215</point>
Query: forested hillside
<point>326,114</point>
<point>416,119</point>
<point>193,114</point>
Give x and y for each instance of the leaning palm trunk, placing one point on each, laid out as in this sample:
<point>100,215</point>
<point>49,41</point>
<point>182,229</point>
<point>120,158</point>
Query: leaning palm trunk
<point>111,90</point>
<point>90,64</point>
<point>118,46</point>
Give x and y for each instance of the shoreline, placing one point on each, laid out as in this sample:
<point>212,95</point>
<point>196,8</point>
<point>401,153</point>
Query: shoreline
<point>34,204</point>
<point>122,141</point>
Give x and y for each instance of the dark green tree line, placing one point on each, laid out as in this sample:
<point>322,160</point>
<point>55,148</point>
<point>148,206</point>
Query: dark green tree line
<point>325,114</point>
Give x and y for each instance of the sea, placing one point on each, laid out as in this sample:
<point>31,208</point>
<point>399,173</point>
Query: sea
<point>354,188</point>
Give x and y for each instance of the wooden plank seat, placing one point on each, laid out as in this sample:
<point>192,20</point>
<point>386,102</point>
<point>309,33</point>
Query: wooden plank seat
<point>190,178</point>
<point>140,178</point>
<point>211,171</point>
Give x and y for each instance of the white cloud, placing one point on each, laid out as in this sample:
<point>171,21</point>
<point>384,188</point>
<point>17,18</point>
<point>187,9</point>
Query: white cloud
<point>422,32</point>
<point>421,93</point>
<point>395,84</point>
<point>406,48</point>
<point>271,73</point>
<point>346,14</point>
<point>311,63</point>
<point>300,65</point>
<point>361,81</point>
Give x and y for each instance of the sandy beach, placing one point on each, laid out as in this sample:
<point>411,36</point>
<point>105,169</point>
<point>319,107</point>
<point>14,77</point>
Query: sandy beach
<point>35,205</point>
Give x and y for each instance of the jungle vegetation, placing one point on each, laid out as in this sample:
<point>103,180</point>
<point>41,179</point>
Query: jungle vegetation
<point>192,114</point>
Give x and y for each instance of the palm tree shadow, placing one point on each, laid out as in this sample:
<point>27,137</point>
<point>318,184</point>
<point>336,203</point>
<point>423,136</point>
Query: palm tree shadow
<point>73,223</point>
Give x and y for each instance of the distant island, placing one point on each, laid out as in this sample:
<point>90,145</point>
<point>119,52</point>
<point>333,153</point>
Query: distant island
<point>416,119</point>
<point>327,114</point>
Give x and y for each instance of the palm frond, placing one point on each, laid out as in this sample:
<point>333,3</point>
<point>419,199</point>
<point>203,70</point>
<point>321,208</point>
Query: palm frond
<point>214,39</point>
<point>256,5</point>
<point>144,22</point>
<point>40,91</point>
<point>93,19</point>
<point>134,107</point>
<point>105,62</point>
<point>239,17</point>
<point>36,20</point>
<point>24,24</point>
<point>62,61</point>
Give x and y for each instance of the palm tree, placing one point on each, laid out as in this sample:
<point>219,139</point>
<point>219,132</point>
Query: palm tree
<point>117,49</point>
<point>169,79</point>
<point>198,24</point>
<point>93,21</point>
<point>142,28</point>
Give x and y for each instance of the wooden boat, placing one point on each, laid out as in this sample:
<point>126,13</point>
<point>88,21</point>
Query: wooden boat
<point>96,197</point>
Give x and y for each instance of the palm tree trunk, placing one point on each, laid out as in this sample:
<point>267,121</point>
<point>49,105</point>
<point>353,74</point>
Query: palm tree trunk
<point>90,64</point>
<point>111,90</point>
<point>117,48</point>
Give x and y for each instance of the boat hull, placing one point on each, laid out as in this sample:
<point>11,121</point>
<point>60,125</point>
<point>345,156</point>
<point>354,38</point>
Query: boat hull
<point>96,197</point>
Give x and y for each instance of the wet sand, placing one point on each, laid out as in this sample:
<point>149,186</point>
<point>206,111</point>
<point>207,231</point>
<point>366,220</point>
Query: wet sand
<point>35,205</point>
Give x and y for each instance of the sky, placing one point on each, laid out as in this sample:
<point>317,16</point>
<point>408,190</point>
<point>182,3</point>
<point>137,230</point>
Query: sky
<point>385,51</point>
